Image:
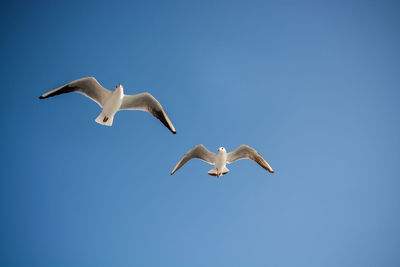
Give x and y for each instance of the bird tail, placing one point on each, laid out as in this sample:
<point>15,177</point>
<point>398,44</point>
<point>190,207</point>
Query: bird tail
<point>214,171</point>
<point>104,119</point>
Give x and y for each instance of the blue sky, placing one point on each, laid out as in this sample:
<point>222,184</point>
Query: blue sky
<point>312,85</point>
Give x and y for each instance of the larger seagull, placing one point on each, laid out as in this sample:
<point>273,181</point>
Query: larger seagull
<point>221,158</point>
<point>113,101</point>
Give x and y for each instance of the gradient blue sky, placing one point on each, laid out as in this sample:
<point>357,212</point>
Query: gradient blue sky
<point>312,85</point>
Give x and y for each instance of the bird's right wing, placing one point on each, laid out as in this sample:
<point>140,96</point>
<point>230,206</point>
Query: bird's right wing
<point>87,86</point>
<point>146,102</point>
<point>246,152</point>
<point>198,152</point>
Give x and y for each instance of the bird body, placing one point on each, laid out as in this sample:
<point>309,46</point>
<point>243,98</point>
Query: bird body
<point>220,163</point>
<point>221,158</point>
<point>111,105</point>
<point>113,101</point>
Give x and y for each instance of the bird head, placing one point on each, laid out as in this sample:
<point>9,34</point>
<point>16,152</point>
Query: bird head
<point>221,149</point>
<point>119,87</point>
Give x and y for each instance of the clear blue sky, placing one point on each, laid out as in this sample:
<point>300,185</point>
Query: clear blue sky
<point>312,85</point>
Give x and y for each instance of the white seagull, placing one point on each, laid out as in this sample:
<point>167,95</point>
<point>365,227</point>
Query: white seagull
<point>221,158</point>
<point>113,101</point>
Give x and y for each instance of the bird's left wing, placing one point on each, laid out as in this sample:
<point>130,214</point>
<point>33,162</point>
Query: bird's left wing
<point>198,152</point>
<point>246,152</point>
<point>87,86</point>
<point>146,102</point>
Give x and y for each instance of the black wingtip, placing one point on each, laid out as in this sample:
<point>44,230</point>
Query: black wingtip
<point>41,97</point>
<point>174,132</point>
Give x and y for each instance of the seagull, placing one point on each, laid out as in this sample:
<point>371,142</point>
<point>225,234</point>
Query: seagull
<point>221,158</point>
<point>113,101</point>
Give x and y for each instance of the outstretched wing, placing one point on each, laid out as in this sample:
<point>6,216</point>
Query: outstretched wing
<point>87,86</point>
<point>146,102</point>
<point>198,152</point>
<point>246,152</point>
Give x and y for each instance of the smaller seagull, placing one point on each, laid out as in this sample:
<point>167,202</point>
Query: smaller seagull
<point>113,101</point>
<point>221,158</point>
